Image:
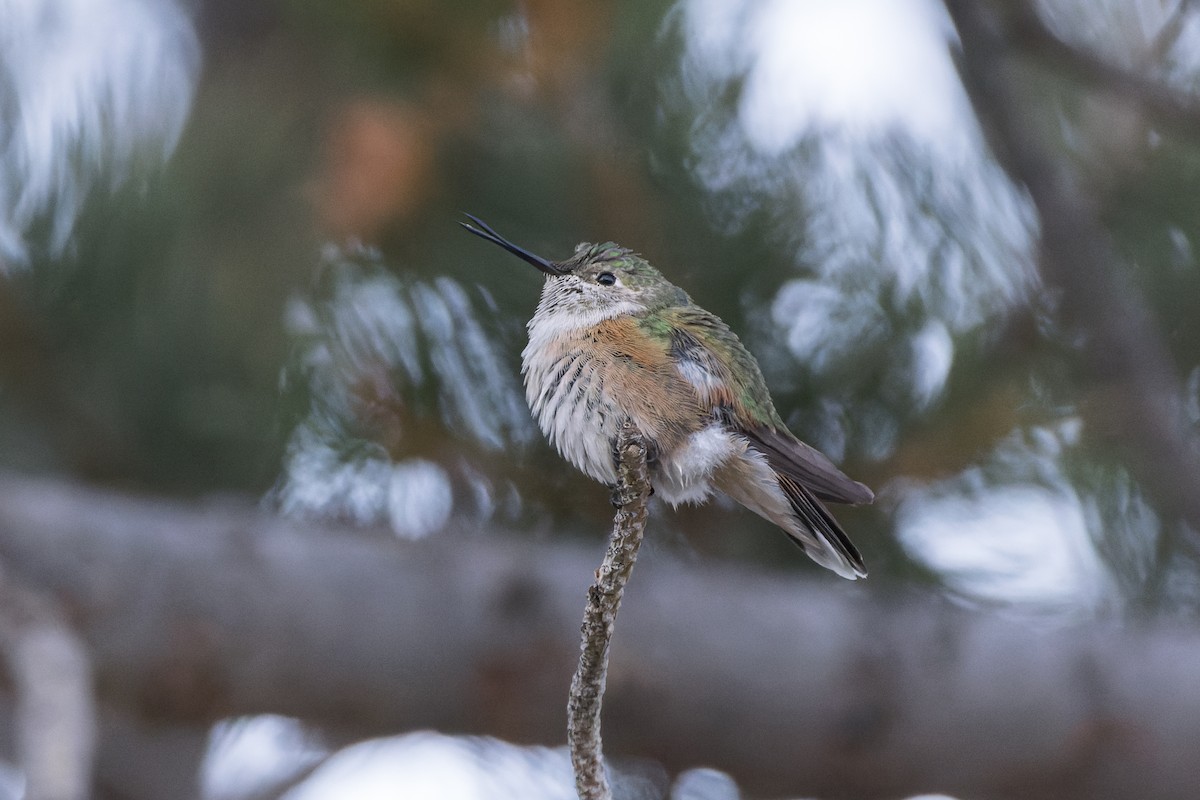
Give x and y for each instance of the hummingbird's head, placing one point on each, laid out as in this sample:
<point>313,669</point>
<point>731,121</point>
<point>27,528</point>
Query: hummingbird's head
<point>598,282</point>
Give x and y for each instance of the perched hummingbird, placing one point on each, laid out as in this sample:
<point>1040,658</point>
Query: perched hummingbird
<point>612,338</point>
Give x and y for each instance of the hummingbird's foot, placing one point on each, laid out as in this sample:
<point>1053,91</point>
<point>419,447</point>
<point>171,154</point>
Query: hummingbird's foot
<point>619,499</point>
<point>651,456</point>
<point>651,460</point>
<point>616,497</point>
<point>651,453</point>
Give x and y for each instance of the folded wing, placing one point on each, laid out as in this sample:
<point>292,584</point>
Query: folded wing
<point>699,366</point>
<point>806,465</point>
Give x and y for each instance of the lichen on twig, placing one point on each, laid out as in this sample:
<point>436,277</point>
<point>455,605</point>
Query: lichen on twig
<point>604,599</point>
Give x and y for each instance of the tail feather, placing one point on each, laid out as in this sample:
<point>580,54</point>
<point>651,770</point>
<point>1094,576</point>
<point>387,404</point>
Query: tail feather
<point>827,543</point>
<point>753,482</point>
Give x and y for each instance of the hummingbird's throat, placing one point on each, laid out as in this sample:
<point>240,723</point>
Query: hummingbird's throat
<point>566,309</point>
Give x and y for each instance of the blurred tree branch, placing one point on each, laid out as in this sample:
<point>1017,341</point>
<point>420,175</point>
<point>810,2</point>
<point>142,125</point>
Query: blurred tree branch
<point>1168,34</point>
<point>1141,395</point>
<point>198,613</point>
<point>1020,28</point>
<point>52,681</point>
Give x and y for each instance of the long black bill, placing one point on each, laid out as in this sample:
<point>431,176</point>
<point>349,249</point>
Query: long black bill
<point>485,231</point>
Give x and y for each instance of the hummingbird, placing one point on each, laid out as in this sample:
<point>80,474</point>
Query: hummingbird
<point>612,338</point>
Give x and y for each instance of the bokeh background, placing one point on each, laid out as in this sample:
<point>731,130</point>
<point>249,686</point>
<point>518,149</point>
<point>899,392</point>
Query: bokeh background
<point>230,268</point>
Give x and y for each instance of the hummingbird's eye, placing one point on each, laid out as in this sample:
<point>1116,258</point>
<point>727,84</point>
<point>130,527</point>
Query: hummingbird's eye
<point>606,279</point>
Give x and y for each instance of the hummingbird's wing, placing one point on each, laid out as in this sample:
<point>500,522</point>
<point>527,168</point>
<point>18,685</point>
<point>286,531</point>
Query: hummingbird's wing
<point>789,456</point>
<point>728,381</point>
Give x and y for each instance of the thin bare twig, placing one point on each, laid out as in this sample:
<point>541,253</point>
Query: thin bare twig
<point>604,600</point>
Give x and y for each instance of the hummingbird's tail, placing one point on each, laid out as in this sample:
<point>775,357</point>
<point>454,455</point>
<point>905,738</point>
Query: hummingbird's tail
<point>784,501</point>
<point>834,549</point>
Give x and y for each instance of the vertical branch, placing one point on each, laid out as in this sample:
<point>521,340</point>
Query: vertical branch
<point>604,600</point>
<point>51,677</point>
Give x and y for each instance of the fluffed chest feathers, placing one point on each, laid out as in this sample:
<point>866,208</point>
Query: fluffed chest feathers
<point>580,385</point>
<point>567,393</point>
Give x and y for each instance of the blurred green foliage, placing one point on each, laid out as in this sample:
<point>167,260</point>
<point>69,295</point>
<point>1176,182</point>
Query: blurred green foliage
<point>153,351</point>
